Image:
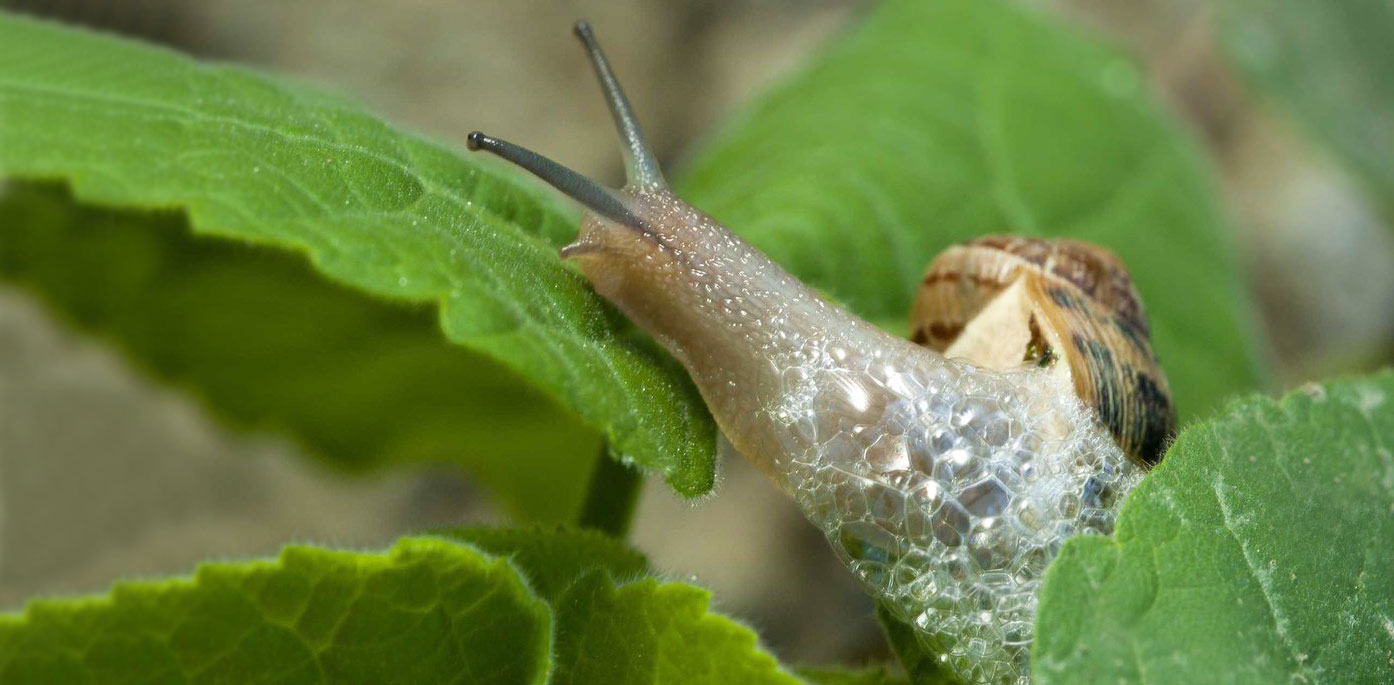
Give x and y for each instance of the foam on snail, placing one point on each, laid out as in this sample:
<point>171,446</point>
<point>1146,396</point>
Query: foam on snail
<point>946,486</point>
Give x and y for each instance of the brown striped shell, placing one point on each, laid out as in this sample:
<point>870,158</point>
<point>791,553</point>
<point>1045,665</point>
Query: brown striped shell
<point>1001,301</point>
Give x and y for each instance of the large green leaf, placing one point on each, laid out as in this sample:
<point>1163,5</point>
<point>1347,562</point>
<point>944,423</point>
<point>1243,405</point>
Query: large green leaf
<point>429,611</point>
<point>1331,65</point>
<point>252,159</point>
<point>636,630</point>
<point>639,631</point>
<point>939,121</point>
<point>554,558</point>
<point>271,343</point>
<point>1259,551</point>
<point>650,632</point>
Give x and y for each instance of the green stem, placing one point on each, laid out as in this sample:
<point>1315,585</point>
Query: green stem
<point>612,495</point>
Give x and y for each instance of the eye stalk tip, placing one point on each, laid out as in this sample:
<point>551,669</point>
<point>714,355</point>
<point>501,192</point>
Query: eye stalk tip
<point>476,140</point>
<point>582,29</point>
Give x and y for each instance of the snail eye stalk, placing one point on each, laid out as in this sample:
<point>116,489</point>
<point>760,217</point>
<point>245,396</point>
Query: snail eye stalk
<point>592,195</point>
<point>639,162</point>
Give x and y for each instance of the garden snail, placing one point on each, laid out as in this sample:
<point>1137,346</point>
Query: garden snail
<point>945,485</point>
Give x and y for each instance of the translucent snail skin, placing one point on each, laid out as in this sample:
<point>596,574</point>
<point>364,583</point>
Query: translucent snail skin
<point>945,485</point>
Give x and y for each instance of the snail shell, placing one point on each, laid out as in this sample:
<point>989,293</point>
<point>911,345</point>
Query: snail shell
<point>945,486</point>
<point>1001,301</point>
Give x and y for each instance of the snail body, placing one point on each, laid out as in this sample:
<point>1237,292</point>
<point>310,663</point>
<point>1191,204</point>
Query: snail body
<point>946,486</point>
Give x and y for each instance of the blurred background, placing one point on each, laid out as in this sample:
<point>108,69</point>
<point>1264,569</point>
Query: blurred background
<point>104,475</point>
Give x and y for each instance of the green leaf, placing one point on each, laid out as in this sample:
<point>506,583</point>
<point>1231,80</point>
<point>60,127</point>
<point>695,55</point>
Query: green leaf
<point>935,122</point>
<point>1331,66</point>
<point>431,610</point>
<point>920,666</point>
<point>554,557</point>
<point>876,675</point>
<point>1257,552</point>
<point>428,611</point>
<point>650,632</point>
<point>389,214</point>
<point>640,631</point>
<point>269,343</point>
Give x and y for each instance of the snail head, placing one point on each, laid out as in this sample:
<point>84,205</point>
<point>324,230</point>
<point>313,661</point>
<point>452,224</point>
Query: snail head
<point>640,246</point>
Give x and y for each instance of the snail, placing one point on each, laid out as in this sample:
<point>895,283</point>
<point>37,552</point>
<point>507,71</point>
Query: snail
<point>945,475</point>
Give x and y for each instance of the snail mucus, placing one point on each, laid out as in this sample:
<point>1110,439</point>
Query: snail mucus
<point>945,474</point>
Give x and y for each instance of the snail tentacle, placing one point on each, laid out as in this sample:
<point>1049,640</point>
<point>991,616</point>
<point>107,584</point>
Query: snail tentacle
<point>640,164</point>
<point>592,195</point>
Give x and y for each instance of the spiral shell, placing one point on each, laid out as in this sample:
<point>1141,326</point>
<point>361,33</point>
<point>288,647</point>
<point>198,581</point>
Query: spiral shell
<point>1000,301</point>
